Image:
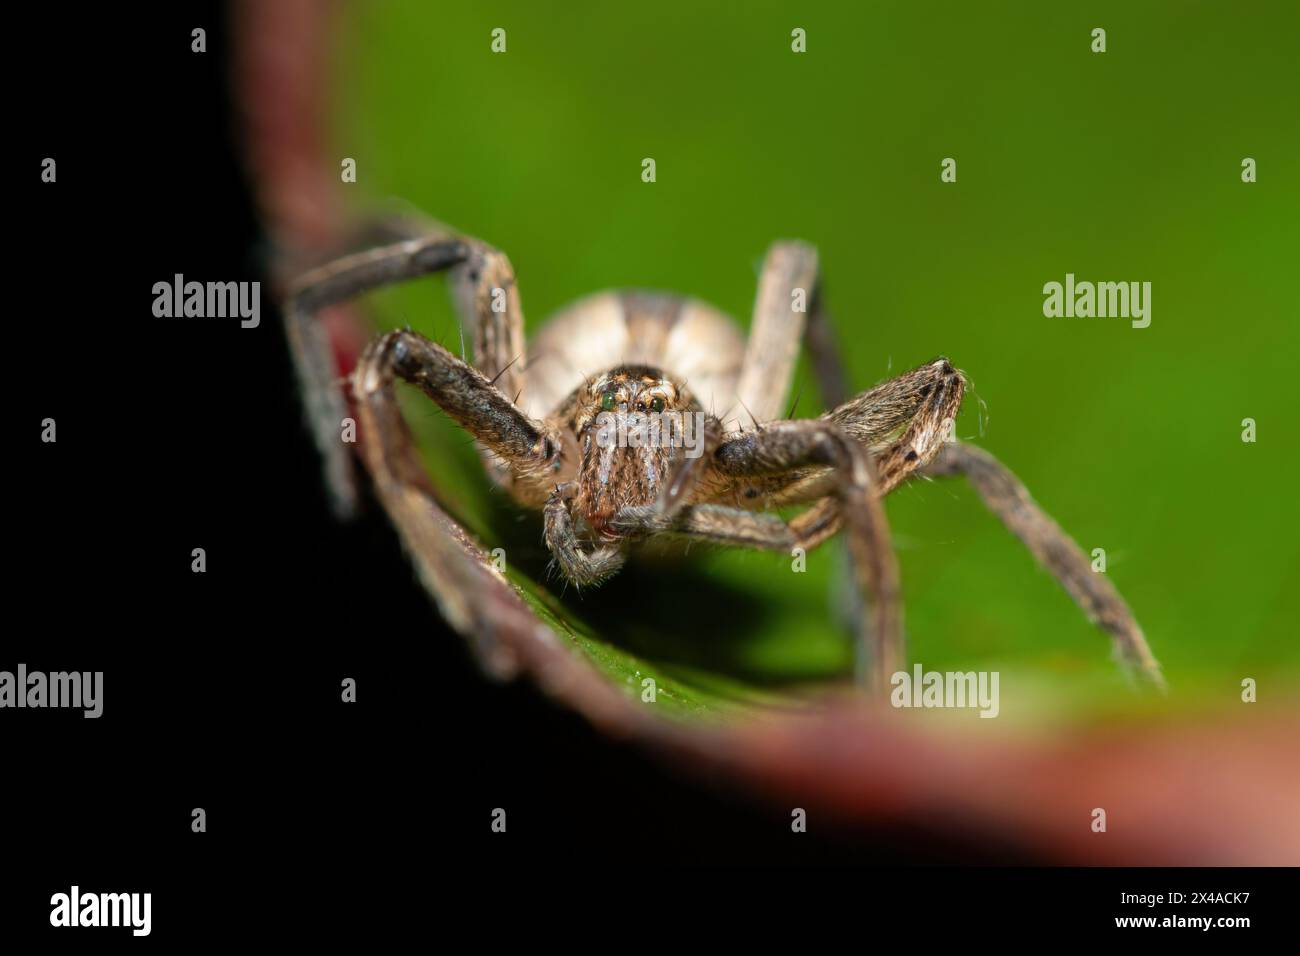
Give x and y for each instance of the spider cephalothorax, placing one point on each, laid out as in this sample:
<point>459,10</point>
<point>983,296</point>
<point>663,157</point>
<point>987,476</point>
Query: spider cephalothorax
<point>592,422</point>
<point>635,429</point>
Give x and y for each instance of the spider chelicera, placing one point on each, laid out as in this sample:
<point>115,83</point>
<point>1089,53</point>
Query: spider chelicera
<point>543,417</point>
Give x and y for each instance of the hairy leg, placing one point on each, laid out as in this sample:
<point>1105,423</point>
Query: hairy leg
<point>824,353</point>
<point>775,332</point>
<point>923,403</point>
<point>1007,498</point>
<point>464,394</point>
<point>781,447</point>
<point>483,288</point>
<point>483,291</point>
<point>456,572</point>
<point>580,566</point>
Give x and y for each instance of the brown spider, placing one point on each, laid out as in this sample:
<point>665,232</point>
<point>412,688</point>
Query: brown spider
<point>546,422</point>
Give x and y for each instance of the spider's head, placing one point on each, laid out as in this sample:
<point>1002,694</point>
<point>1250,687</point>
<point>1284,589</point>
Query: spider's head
<point>634,426</point>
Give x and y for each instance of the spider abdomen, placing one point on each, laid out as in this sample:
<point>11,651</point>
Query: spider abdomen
<point>689,340</point>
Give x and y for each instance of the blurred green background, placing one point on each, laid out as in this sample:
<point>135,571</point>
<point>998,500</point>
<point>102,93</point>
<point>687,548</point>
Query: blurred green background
<point>1117,166</point>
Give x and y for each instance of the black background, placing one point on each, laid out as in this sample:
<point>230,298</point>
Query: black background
<point>222,690</point>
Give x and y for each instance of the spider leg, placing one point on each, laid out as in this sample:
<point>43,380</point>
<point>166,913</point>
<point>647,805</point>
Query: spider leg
<point>780,447</point>
<point>925,400</point>
<point>828,461</point>
<point>483,291</point>
<point>776,330</point>
<point>462,392</point>
<point>469,592</point>
<point>823,351</point>
<point>718,524</point>
<point>923,403</point>
<point>1007,498</point>
<point>483,287</point>
<point>580,566</point>
<point>688,473</point>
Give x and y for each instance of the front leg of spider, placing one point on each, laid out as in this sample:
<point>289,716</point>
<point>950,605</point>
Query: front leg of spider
<point>582,567</point>
<point>787,446</point>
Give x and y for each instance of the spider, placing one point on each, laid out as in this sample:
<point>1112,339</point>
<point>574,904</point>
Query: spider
<point>621,359</point>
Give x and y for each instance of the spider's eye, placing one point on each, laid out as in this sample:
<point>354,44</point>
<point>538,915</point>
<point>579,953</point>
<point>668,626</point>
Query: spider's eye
<point>607,401</point>
<point>657,405</point>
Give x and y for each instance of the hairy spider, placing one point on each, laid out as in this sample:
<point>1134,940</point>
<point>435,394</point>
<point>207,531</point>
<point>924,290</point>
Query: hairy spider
<point>551,422</point>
